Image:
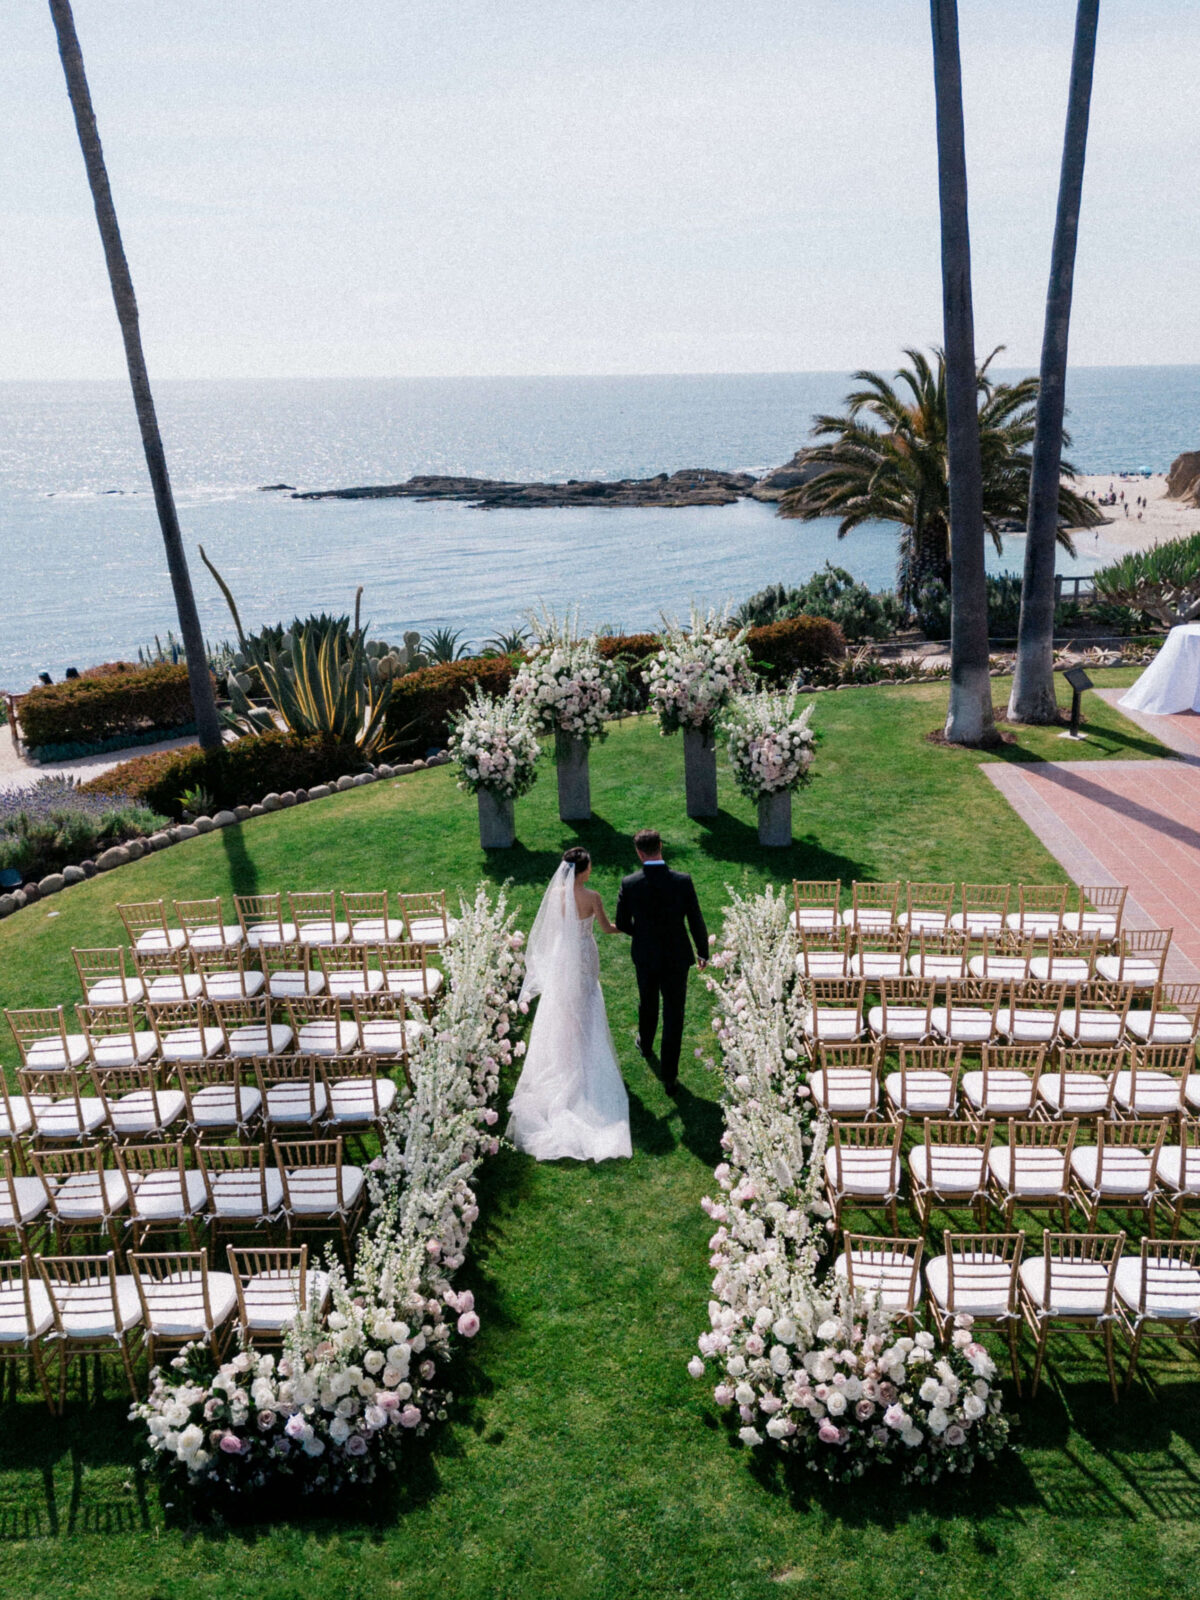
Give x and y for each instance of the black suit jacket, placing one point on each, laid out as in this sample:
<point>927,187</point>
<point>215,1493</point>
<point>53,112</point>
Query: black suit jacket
<point>659,907</point>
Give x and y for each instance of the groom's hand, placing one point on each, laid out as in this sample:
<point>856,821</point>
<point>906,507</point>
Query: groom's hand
<point>700,965</point>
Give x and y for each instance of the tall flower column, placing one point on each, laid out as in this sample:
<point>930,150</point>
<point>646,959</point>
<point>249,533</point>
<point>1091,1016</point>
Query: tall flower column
<point>770,750</point>
<point>693,679</point>
<point>568,688</point>
<point>497,750</point>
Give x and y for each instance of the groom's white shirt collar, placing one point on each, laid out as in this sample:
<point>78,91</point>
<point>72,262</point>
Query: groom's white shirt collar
<point>657,862</point>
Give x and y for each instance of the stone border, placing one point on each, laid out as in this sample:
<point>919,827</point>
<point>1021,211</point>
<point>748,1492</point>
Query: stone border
<point>120,855</point>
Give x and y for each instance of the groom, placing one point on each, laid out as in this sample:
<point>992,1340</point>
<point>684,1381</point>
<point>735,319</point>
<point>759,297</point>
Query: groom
<point>658,907</point>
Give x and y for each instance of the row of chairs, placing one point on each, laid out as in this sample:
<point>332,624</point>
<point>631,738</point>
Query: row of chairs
<point>960,1165</point>
<point>232,1098</point>
<point>381,1023</point>
<point>67,1307</point>
<point>1035,909</point>
<point>1080,1282</point>
<point>1122,1082</point>
<point>1138,956</point>
<point>108,977</point>
<point>975,1012</point>
<point>312,917</point>
<point>307,1187</point>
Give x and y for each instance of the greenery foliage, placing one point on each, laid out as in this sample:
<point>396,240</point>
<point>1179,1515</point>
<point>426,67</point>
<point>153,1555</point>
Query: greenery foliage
<point>782,649</point>
<point>1163,582</point>
<point>423,702</point>
<point>886,459</point>
<point>239,774</point>
<point>834,593</point>
<point>54,824</point>
<point>117,700</point>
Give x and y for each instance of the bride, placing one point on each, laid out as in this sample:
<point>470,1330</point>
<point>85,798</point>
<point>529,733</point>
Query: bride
<point>570,1099</point>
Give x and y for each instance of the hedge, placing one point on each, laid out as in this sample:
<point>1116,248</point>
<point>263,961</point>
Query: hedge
<point>781,649</point>
<point>237,775</point>
<point>418,718</point>
<point>93,710</point>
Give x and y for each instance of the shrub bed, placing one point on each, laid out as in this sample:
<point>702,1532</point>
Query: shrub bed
<point>633,652</point>
<point>423,702</point>
<point>55,825</point>
<point>782,649</point>
<point>59,720</point>
<point>240,774</point>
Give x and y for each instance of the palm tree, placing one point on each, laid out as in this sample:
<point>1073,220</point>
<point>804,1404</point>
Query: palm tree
<point>886,460</point>
<point>203,700</point>
<point>1033,698</point>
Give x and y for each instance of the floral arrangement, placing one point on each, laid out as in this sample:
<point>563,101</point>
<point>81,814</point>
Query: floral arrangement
<point>697,672</point>
<point>800,1362</point>
<point>495,745</point>
<point>565,682</point>
<point>351,1385</point>
<point>770,747</point>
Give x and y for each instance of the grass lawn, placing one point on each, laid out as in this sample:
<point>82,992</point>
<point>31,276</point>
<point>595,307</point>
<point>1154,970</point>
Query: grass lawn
<point>582,1460</point>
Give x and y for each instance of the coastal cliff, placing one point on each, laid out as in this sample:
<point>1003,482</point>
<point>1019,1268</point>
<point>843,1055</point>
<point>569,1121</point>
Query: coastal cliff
<point>693,486</point>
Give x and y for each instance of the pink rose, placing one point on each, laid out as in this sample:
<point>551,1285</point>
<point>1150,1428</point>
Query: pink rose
<point>723,1394</point>
<point>466,1300</point>
<point>954,1434</point>
<point>231,1444</point>
<point>409,1417</point>
<point>468,1324</point>
<point>434,1247</point>
<point>864,1410</point>
<point>828,1433</point>
<point>387,1400</point>
<point>356,1445</point>
<point>295,1427</point>
<point>491,1117</point>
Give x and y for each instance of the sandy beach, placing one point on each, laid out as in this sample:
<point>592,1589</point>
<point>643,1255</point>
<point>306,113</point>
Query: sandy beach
<point>1132,526</point>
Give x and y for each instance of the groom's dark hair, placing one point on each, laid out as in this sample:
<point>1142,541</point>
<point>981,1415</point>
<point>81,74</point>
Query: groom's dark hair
<point>577,857</point>
<point>648,841</point>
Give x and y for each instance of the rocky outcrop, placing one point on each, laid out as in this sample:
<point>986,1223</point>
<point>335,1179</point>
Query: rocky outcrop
<point>774,485</point>
<point>1183,480</point>
<point>694,486</point>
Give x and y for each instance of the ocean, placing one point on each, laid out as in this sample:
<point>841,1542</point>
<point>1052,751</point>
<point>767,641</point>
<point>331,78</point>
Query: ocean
<point>83,579</point>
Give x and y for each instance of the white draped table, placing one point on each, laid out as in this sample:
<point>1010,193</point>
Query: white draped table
<point>1172,680</point>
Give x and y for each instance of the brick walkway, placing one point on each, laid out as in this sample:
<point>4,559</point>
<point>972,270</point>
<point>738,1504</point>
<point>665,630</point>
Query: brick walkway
<point>1132,822</point>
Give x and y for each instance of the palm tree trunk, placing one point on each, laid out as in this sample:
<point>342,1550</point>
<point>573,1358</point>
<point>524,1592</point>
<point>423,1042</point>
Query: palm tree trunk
<point>203,700</point>
<point>969,719</point>
<point>1033,698</point>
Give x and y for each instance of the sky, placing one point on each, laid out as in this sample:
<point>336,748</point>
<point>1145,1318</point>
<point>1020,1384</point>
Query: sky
<point>309,188</point>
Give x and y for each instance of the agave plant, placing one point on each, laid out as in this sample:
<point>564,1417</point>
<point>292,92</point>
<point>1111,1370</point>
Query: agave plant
<point>1163,581</point>
<point>444,644</point>
<point>507,644</point>
<point>325,678</point>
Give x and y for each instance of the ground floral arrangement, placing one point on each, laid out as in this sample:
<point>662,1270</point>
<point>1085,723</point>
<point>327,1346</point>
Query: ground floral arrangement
<point>770,747</point>
<point>352,1385</point>
<point>698,672</point>
<point>565,681</point>
<point>802,1364</point>
<point>496,746</point>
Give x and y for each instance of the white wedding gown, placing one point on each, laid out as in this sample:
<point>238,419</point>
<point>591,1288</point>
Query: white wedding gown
<point>570,1099</point>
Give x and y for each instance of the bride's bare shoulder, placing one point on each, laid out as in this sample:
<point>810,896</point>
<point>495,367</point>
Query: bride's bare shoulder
<point>587,901</point>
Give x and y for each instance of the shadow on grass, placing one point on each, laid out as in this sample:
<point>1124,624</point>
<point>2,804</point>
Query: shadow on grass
<point>727,838</point>
<point>1098,735</point>
<point>243,874</point>
<point>72,1474</point>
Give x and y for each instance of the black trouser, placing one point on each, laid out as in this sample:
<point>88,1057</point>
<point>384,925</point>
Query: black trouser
<point>671,984</point>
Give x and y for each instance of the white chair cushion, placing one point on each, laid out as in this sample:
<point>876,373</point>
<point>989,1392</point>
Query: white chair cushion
<point>816,964</point>
<point>429,930</point>
<point>877,964</point>
<point>21,1118</point>
<point>124,1051</point>
<point>15,1327</point>
<point>136,1113</point>
<point>1086,1094</point>
<point>815,917</point>
<point>1170,1168</point>
<point>238,1194</point>
<point>889,1276</point>
<point>171,990</point>
<point>296,1102</point>
<point>389,1038</point>
<point>312,1191</point>
<point>933,965</point>
<point>258,1040</point>
<point>1100,922</point>
<point>921,1093</point>
<point>963,1025</point>
<point>1036,923</point>
<point>224,1105</point>
<point>344,984</point>
<point>1170,1027</point>
<point>1144,973</point>
<point>295,985</point>
<point>176,1305</point>
<point>1027,1026</point>
<point>410,982</point>
<point>227,936</point>
<point>1172,1289</point>
<point>927,921</point>
<point>867,919</point>
<point>1006,968</point>
<point>233,985</point>
<point>1008,1093</point>
<point>953,1169</point>
<point>156,939</point>
<point>1035,1171</point>
<point>322,932</point>
<point>192,1044</point>
<point>864,1172</point>
<point>160,1197</point>
<point>845,1091</point>
<point>1077,1288</point>
<point>352,1099</point>
<point>31,1201</point>
<point>268,1309</point>
<point>1157,1093</point>
<point>1126,1170</point>
<point>977,921</point>
<point>904,1023</point>
<point>981,1286</point>
<point>270,933</point>
<point>834,1024</point>
<point>80,1198</point>
<point>112,992</point>
<point>328,1037</point>
<point>376,930</point>
<point>87,1312</point>
<point>46,1055</point>
<point>1091,1027</point>
<point>56,1119</point>
<point>1059,969</point>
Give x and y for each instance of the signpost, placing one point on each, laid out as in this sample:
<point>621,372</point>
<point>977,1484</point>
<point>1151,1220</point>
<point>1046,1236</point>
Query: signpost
<point>1079,681</point>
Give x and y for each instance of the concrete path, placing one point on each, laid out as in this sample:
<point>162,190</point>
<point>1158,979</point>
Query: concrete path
<point>1123,822</point>
<point>16,773</point>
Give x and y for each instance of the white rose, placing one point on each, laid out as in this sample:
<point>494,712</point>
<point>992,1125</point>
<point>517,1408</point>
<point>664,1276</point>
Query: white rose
<point>835,1402</point>
<point>912,1437</point>
<point>744,1394</point>
<point>785,1330</point>
<point>929,1390</point>
<point>939,1420</point>
<point>973,1407</point>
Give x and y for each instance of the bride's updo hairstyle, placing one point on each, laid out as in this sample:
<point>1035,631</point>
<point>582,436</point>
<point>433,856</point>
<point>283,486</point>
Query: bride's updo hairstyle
<point>577,857</point>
